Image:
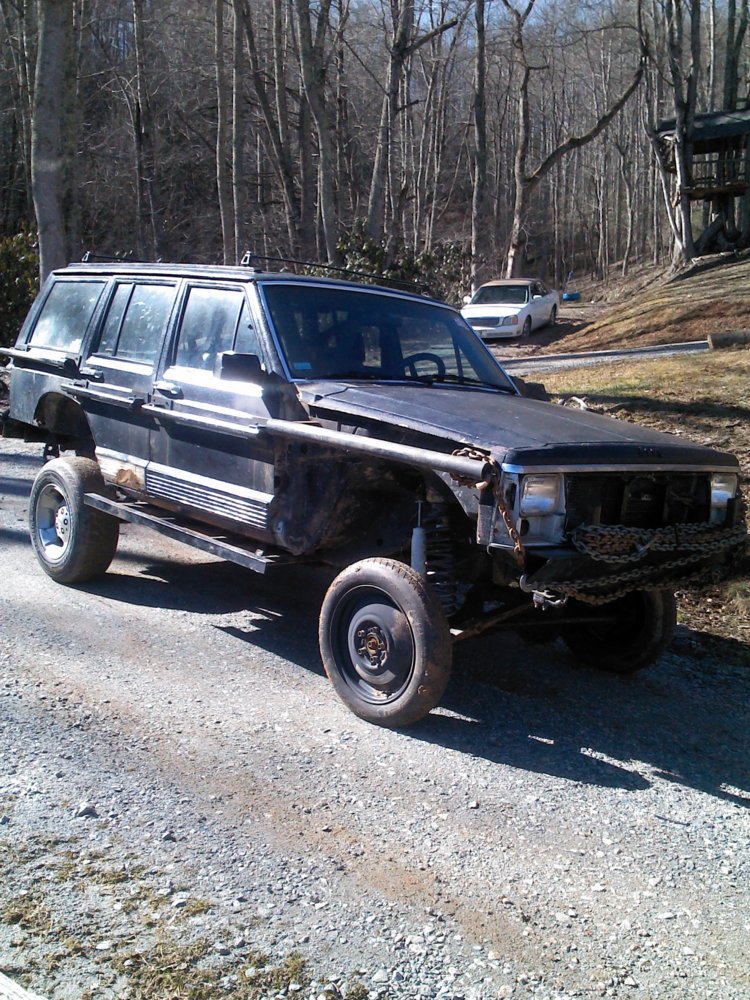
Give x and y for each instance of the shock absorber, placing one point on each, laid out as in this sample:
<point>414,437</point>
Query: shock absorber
<point>440,555</point>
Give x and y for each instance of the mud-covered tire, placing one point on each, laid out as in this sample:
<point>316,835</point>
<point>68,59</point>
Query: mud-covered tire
<point>74,543</point>
<point>627,634</point>
<point>385,643</point>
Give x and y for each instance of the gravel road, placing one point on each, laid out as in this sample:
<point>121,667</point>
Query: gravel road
<point>180,790</point>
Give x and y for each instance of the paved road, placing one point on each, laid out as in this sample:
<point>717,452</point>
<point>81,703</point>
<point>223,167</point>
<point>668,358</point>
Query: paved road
<point>550,362</point>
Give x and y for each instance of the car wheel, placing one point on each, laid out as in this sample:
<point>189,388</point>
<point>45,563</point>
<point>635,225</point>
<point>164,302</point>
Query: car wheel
<point>73,542</point>
<point>552,316</point>
<point>385,642</point>
<point>627,634</point>
<point>526,327</point>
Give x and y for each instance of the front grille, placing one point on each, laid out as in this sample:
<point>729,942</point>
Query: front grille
<point>637,501</point>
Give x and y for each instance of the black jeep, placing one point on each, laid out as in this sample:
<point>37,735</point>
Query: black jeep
<point>270,418</point>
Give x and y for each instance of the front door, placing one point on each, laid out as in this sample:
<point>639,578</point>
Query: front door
<point>206,456</point>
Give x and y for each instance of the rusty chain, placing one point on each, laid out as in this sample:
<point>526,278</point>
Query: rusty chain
<point>501,507</point>
<point>617,544</point>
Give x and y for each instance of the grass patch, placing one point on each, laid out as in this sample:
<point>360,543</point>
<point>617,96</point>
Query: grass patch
<point>30,912</point>
<point>168,970</point>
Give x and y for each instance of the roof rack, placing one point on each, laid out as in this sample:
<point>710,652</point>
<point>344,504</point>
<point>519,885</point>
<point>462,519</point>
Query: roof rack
<point>106,257</point>
<point>249,257</point>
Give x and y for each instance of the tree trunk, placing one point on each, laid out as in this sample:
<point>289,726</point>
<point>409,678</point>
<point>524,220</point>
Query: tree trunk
<point>238,135</point>
<point>313,74</point>
<point>223,177</point>
<point>479,220</point>
<point>148,221</point>
<point>55,25</point>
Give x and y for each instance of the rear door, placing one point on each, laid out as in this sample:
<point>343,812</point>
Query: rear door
<point>119,373</point>
<point>206,456</point>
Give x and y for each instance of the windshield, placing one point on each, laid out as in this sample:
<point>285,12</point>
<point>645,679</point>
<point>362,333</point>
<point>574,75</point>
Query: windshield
<point>334,332</point>
<point>511,295</point>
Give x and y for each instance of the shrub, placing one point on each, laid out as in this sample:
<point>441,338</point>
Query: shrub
<point>19,282</point>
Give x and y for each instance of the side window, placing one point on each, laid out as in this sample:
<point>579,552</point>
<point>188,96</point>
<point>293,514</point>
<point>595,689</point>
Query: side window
<point>113,320</point>
<point>66,314</point>
<point>143,323</point>
<point>246,341</point>
<point>208,327</point>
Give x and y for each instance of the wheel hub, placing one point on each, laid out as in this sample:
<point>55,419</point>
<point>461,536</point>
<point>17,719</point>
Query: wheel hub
<point>371,645</point>
<point>62,523</point>
<point>380,648</point>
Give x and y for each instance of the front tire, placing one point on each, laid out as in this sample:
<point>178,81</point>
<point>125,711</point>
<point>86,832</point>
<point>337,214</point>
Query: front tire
<point>385,642</point>
<point>74,543</point>
<point>627,634</point>
<point>526,331</point>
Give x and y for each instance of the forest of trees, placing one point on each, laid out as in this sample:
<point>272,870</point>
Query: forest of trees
<point>465,138</point>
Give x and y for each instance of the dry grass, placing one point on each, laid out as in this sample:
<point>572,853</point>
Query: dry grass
<point>703,397</point>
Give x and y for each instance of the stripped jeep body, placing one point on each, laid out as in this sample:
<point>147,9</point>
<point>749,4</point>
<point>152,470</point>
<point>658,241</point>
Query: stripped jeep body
<point>272,418</point>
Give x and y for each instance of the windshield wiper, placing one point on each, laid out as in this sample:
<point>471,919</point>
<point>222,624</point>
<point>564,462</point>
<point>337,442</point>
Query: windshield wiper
<point>474,382</point>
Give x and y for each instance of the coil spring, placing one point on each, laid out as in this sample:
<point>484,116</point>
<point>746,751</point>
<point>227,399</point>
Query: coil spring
<point>441,563</point>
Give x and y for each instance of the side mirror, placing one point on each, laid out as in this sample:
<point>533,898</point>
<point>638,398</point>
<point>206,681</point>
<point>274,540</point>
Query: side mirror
<point>466,299</point>
<point>240,367</point>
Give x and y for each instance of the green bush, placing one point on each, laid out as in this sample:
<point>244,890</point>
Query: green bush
<point>444,271</point>
<point>19,283</point>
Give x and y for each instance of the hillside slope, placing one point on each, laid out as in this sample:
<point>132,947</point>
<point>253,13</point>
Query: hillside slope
<point>688,307</point>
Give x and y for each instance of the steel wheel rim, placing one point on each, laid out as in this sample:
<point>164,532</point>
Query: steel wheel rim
<point>53,523</point>
<point>373,646</point>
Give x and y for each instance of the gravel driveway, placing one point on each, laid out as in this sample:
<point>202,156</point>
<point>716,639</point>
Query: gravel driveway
<point>180,789</point>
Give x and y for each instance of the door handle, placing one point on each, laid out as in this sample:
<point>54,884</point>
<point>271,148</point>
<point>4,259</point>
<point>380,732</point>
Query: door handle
<point>168,389</point>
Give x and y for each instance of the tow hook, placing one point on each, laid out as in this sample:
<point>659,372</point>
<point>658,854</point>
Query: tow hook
<point>543,599</point>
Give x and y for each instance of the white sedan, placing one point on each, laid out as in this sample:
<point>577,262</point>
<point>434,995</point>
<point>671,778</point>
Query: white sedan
<point>511,307</point>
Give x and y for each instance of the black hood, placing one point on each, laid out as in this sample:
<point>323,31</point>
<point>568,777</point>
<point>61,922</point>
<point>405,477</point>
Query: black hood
<point>516,430</point>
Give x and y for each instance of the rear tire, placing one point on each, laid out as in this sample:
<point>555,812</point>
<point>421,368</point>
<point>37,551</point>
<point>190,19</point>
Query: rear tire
<point>74,543</point>
<point>385,642</point>
<point>628,634</point>
<point>552,316</point>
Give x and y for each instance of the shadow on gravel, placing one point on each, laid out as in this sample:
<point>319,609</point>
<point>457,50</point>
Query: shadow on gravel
<point>529,707</point>
<point>14,487</point>
<point>15,536</point>
<point>684,720</point>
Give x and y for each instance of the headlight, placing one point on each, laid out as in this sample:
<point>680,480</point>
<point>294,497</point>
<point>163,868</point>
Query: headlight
<point>539,495</point>
<point>509,321</point>
<point>723,489</point>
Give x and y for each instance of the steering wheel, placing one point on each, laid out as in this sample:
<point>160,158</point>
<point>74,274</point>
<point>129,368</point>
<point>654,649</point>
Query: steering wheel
<point>410,362</point>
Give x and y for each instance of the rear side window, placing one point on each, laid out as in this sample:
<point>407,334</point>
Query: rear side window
<point>66,314</point>
<point>135,321</point>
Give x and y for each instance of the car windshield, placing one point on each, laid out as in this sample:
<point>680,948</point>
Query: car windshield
<point>506,295</point>
<point>334,332</point>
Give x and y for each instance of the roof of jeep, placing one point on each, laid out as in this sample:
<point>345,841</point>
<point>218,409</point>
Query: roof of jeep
<point>221,273</point>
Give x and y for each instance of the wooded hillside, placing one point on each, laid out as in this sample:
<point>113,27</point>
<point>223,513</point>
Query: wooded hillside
<point>460,137</point>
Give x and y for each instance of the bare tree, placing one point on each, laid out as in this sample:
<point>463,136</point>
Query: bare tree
<point>148,217</point>
<point>525,180</point>
<point>479,219</point>
<point>223,156</point>
<point>313,62</point>
<point>55,25</point>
